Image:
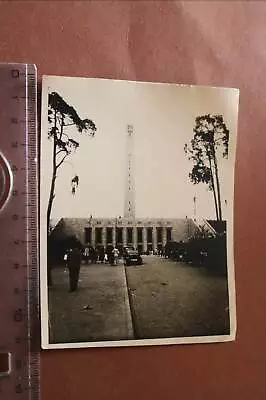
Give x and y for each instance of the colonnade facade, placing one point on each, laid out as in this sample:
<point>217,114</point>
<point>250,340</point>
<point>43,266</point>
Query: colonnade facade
<point>142,238</point>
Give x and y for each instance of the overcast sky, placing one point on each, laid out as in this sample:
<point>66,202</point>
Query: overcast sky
<point>163,117</point>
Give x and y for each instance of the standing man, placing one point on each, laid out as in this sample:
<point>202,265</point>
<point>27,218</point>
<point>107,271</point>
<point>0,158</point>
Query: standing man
<point>101,255</point>
<point>73,263</point>
<point>115,255</point>
<point>87,254</point>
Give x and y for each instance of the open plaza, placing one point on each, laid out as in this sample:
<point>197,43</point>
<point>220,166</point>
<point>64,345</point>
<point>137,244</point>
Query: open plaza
<point>159,299</point>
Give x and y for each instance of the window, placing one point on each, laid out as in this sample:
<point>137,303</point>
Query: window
<point>149,235</point>
<point>88,235</point>
<point>139,235</point>
<point>129,235</point>
<point>159,232</point>
<point>98,236</point>
<point>109,235</point>
<point>119,235</point>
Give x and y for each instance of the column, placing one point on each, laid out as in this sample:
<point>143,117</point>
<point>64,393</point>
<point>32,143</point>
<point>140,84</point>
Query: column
<point>124,236</point>
<point>104,238</point>
<point>154,238</point>
<point>93,236</point>
<point>164,236</point>
<point>144,239</point>
<point>135,239</point>
<point>114,236</point>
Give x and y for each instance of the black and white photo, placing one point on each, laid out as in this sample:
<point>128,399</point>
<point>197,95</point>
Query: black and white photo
<point>136,213</point>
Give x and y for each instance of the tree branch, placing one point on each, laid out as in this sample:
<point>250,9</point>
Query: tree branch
<point>64,134</point>
<point>61,162</point>
<point>60,151</point>
<point>61,127</point>
<point>69,124</point>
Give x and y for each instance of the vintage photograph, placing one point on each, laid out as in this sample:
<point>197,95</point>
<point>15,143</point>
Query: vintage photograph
<point>136,213</point>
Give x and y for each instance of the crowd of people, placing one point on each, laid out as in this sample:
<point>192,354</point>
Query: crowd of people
<point>93,255</point>
<point>74,256</point>
<point>200,251</point>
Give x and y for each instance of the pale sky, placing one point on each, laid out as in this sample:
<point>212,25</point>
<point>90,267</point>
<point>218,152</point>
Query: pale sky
<point>163,117</point>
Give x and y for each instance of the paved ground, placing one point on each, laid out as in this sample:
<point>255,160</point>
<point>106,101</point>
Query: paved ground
<point>161,298</point>
<point>170,299</point>
<point>99,310</point>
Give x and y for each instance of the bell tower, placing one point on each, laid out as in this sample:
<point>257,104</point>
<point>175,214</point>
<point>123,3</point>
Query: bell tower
<point>129,211</point>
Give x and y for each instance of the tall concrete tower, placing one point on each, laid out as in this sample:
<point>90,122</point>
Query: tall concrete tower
<point>129,211</point>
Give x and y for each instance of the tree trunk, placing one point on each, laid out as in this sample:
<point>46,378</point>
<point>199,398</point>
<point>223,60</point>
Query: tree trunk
<point>218,185</point>
<point>51,199</point>
<point>213,190</point>
<point>49,209</point>
<point>52,188</point>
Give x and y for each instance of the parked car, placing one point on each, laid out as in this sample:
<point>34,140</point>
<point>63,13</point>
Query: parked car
<point>181,255</point>
<point>132,257</point>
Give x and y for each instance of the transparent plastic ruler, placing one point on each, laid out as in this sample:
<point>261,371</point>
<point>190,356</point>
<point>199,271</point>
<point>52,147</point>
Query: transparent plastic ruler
<point>19,280</point>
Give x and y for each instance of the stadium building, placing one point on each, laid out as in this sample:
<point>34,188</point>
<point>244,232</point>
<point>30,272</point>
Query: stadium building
<point>144,234</point>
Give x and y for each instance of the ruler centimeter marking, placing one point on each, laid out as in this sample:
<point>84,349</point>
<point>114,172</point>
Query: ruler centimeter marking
<point>19,279</point>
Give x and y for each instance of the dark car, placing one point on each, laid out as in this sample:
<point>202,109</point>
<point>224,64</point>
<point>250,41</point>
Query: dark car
<point>132,257</point>
<point>181,255</point>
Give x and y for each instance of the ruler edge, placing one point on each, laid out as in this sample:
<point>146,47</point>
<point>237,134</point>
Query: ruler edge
<point>32,351</point>
<point>34,347</point>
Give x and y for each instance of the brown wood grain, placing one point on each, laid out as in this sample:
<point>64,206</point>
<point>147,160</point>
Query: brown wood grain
<point>211,43</point>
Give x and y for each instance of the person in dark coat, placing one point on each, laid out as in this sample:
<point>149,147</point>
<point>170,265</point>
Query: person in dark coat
<point>73,263</point>
<point>101,254</point>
